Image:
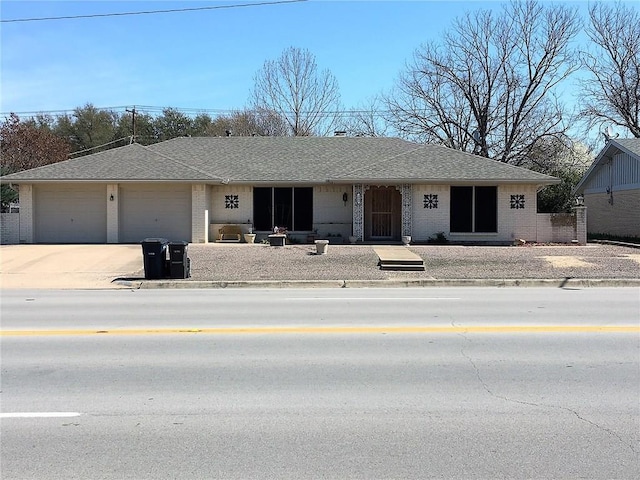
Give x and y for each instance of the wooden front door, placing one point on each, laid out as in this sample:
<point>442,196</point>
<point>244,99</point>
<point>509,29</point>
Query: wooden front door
<point>382,213</point>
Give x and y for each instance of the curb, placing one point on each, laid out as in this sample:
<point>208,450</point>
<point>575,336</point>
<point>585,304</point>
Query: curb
<point>408,283</point>
<point>616,243</point>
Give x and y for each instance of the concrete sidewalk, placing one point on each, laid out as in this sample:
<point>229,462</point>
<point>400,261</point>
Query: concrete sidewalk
<point>258,265</point>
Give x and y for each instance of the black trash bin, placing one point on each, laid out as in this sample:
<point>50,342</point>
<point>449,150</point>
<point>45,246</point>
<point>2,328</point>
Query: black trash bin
<point>154,251</point>
<point>178,261</point>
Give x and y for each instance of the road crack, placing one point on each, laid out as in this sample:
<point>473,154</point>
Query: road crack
<point>487,389</point>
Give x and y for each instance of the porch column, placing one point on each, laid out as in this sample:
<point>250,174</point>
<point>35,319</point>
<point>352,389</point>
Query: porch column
<point>407,207</point>
<point>358,212</point>
<point>199,214</point>
<point>113,221</point>
<point>581,224</point>
<point>27,215</point>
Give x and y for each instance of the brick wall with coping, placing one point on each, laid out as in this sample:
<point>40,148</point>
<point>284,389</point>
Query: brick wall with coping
<point>9,228</point>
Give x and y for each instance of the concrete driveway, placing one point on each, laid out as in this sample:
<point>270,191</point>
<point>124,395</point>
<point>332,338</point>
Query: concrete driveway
<point>68,266</point>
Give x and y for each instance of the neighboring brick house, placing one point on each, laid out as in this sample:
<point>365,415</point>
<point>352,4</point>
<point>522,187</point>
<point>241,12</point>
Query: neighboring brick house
<point>376,189</point>
<point>611,189</point>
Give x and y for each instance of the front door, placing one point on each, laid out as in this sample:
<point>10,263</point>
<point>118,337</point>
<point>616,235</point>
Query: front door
<point>382,213</point>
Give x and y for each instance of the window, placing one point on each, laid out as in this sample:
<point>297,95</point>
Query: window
<point>291,208</point>
<point>474,209</point>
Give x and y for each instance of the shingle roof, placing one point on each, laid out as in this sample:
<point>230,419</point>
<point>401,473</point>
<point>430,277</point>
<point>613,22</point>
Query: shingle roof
<point>133,162</point>
<point>630,144</point>
<point>283,159</point>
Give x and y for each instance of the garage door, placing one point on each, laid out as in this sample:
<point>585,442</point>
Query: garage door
<point>67,213</point>
<point>162,211</point>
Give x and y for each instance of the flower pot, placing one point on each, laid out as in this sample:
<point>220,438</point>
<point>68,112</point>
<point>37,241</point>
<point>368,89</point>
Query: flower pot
<point>352,239</point>
<point>277,240</point>
<point>321,247</point>
<point>406,239</point>
<point>250,237</point>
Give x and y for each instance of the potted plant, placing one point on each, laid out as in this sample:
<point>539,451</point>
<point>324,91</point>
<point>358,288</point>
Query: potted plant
<point>278,237</point>
<point>250,237</point>
<point>321,246</point>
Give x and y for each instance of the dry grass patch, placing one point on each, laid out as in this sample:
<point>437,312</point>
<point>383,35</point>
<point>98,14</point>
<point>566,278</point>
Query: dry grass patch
<point>558,261</point>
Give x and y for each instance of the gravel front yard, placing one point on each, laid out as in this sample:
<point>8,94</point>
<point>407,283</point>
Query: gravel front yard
<point>246,262</point>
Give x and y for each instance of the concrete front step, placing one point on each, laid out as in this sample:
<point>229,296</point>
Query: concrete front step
<point>417,261</point>
<point>403,267</point>
<point>398,258</point>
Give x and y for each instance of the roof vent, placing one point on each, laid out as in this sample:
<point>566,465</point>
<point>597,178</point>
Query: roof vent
<point>228,133</point>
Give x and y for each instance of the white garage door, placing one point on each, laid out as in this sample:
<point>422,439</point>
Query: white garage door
<point>155,211</point>
<point>66,213</point>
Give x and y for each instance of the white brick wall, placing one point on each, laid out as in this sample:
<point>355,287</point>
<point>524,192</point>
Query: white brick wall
<point>517,223</point>
<point>330,214</point>
<point>427,222</point>
<point>242,214</point>
<point>512,223</point>
<point>9,228</point>
<point>219,215</point>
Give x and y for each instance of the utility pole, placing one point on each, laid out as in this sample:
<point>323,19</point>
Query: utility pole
<point>133,123</point>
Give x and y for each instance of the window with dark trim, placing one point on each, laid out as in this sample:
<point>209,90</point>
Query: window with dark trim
<point>474,209</point>
<point>287,207</point>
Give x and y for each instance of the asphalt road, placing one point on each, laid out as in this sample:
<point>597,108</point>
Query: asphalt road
<point>410,383</point>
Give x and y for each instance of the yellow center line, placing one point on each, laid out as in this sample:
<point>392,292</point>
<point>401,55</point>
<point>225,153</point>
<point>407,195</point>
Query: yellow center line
<point>336,330</point>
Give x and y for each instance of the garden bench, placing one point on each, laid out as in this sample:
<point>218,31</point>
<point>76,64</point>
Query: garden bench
<point>229,233</point>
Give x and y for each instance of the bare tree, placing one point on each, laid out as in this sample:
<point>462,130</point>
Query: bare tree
<point>611,94</point>
<point>488,85</point>
<point>367,120</point>
<point>294,89</point>
<point>247,123</point>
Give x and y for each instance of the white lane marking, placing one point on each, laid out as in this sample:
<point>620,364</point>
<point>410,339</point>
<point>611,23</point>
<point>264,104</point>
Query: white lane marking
<point>39,414</point>
<point>372,298</point>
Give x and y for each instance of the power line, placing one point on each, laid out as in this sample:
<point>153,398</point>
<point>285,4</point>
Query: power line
<point>98,146</point>
<point>149,12</point>
<point>122,108</point>
<point>151,110</point>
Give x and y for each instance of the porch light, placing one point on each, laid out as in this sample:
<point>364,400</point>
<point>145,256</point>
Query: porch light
<point>345,197</point>
<point>111,198</point>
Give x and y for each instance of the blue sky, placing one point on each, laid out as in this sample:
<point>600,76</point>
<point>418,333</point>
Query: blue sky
<point>204,59</point>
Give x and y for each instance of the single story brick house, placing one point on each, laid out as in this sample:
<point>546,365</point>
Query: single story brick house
<point>611,189</point>
<point>376,189</point>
